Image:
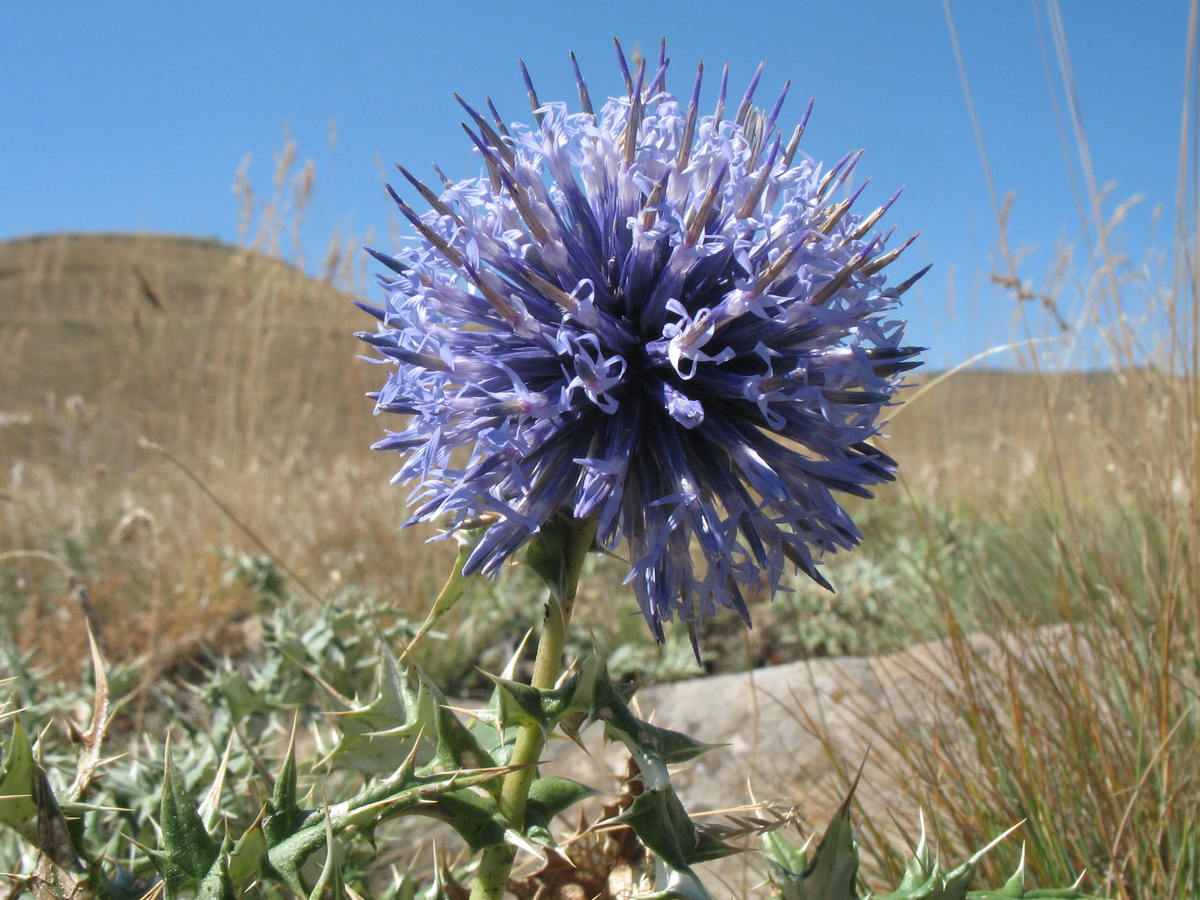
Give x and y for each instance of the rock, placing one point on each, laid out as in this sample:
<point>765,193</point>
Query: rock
<point>796,734</point>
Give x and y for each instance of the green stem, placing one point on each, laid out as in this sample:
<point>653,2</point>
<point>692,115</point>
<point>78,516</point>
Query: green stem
<point>491,880</point>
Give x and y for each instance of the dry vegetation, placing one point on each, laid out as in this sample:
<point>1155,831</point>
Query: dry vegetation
<point>240,369</point>
<point>170,404</point>
<point>244,373</point>
<point>167,404</point>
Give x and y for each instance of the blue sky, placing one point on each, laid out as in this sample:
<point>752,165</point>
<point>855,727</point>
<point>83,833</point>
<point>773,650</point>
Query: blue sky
<point>135,116</point>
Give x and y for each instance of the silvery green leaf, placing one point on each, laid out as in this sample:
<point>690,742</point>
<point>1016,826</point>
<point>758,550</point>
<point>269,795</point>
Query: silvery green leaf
<point>330,882</point>
<point>457,747</point>
<point>248,855</point>
<point>520,703</point>
<point>786,862</point>
<point>377,736</point>
<point>17,773</point>
<point>1069,893</point>
<point>674,747</point>
<point>216,884</point>
<point>404,794</point>
<point>474,816</point>
<point>663,825</point>
<point>831,873</point>
<point>1015,886</point>
<point>210,806</point>
<point>284,815</point>
<point>679,886</point>
<point>604,703</point>
<point>547,798</point>
<point>188,851</point>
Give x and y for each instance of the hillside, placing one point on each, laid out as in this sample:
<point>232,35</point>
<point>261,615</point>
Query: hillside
<point>169,336</point>
<point>68,275</point>
<point>77,310</point>
<point>244,371</point>
<point>212,350</point>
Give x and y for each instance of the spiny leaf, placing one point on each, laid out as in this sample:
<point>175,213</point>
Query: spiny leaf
<point>474,816</point>
<point>548,797</point>
<point>241,698</point>
<point>603,703</point>
<point>921,875</point>
<point>520,703</point>
<point>102,888</point>
<point>924,880</point>
<point>955,884</point>
<point>1015,886</point>
<point>51,880</point>
<point>674,747</point>
<point>375,736</point>
<point>958,881</point>
<point>457,747</point>
<point>188,851</point>
<point>552,794</point>
<point>216,884</point>
<point>496,722</point>
<point>919,869</point>
<point>676,885</point>
<point>444,886</point>
<point>1071,893</point>
<point>831,872</point>
<point>785,861</point>
<point>330,879</point>
<point>17,774</point>
<point>595,696</point>
<point>54,838</point>
<point>663,825</point>
<point>91,742</point>
<point>451,592</point>
<point>404,794</point>
<point>248,855</point>
<point>210,806</point>
<point>284,815</point>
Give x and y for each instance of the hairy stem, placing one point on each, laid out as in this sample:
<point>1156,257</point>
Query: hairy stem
<point>496,863</point>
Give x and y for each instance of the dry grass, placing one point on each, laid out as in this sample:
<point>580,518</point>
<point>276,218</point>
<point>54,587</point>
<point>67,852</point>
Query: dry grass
<point>1025,497</point>
<point>1082,507</point>
<point>244,372</point>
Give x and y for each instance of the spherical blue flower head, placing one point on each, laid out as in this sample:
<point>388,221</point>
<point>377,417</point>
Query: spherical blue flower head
<point>661,319</point>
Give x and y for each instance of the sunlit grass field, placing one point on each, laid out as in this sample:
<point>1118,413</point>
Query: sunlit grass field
<point>176,411</point>
<point>185,443</point>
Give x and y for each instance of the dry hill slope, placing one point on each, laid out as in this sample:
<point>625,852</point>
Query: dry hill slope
<point>174,337</point>
<point>245,370</point>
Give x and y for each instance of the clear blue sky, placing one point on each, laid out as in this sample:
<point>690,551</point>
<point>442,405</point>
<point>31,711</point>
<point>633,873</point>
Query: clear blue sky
<point>134,116</point>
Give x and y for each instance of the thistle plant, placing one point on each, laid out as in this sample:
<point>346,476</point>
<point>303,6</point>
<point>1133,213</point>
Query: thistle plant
<point>659,322</point>
<point>619,325</point>
<point>644,330</point>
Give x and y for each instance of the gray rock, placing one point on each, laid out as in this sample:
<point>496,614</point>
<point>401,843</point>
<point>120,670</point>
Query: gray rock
<point>797,734</point>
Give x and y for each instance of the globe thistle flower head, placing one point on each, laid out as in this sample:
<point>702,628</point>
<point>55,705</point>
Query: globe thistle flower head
<point>656,317</point>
